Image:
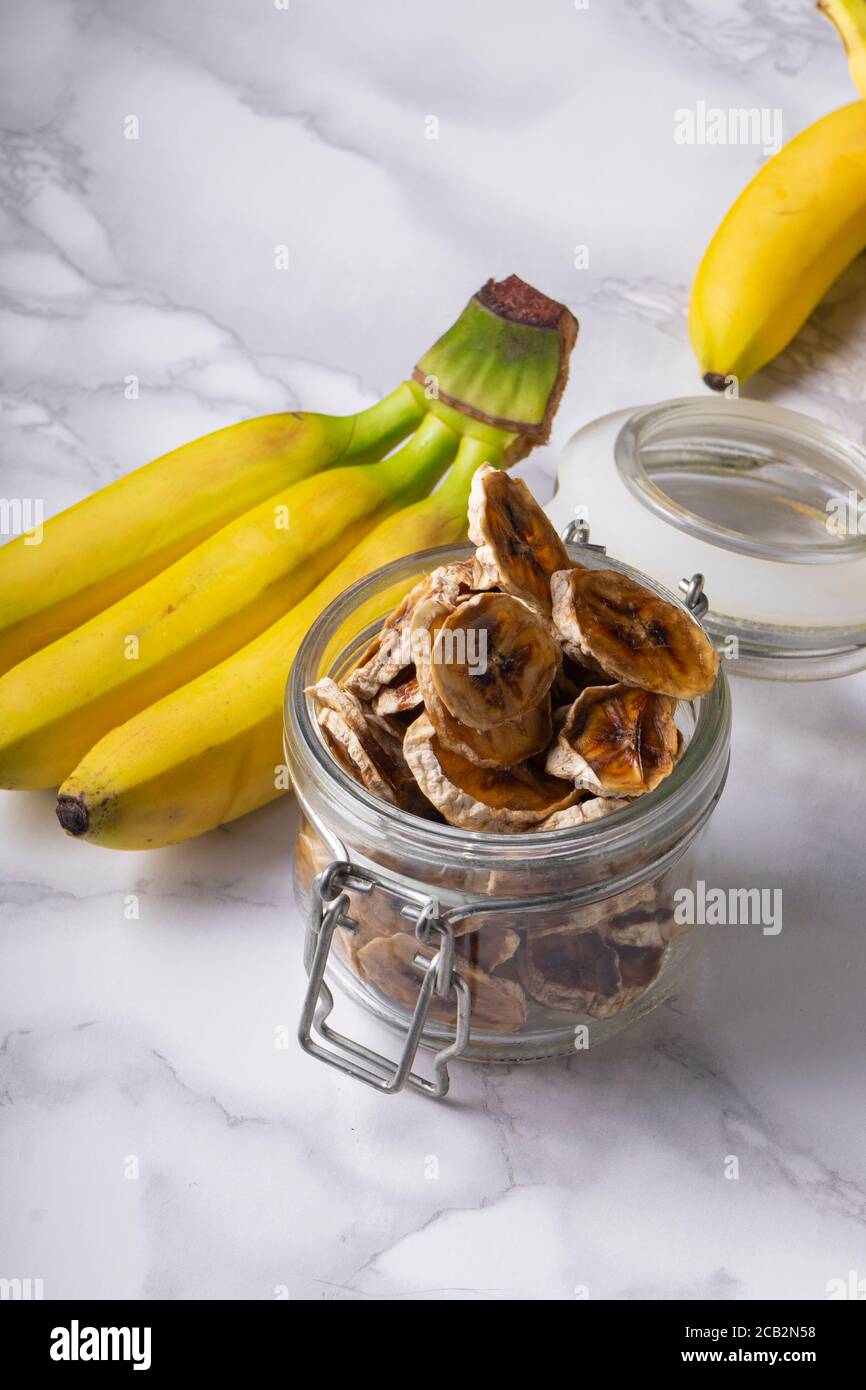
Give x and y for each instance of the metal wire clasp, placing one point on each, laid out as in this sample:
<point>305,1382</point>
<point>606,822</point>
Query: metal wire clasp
<point>576,532</point>
<point>438,977</point>
<point>693,595</point>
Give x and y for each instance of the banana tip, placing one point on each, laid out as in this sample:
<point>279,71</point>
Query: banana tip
<point>716,381</point>
<point>73,815</point>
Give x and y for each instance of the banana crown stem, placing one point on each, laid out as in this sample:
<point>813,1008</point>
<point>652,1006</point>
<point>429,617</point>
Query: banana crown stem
<point>470,456</point>
<point>378,428</point>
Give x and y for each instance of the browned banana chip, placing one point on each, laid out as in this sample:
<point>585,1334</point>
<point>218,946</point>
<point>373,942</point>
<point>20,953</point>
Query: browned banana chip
<point>454,582</point>
<point>518,548</point>
<point>566,969</point>
<point>354,743</point>
<point>401,695</point>
<point>488,949</point>
<point>493,660</point>
<point>388,963</point>
<point>477,798</point>
<point>605,1006</point>
<point>387,654</point>
<point>617,740</point>
<point>633,634</point>
<point>593,808</point>
<point>638,916</point>
<point>356,757</point>
<point>501,747</point>
<point>572,678</point>
<point>639,965</point>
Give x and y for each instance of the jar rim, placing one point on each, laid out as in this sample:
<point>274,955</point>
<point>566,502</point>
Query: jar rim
<point>696,777</point>
<point>767,433</point>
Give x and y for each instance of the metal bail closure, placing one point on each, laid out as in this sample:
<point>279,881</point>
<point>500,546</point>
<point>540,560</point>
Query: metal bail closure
<point>438,977</point>
<point>693,595</point>
<point>576,532</point>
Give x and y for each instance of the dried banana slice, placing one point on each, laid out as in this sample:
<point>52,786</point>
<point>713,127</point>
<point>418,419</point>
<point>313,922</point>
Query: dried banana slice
<point>566,969</point>
<point>518,548</point>
<point>639,965</point>
<point>501,747</point>
<point>388,963</point>
<point>402,694</point>
<point>388,654</point>
<point>572,678</point>
<point>636,917</point>
<point>616,740</point>
<point>633,634</point>
<point>354,743</point>
<point>356,757</point>
<point>454,582</point>
<point>488,949</point>
<point>492,660</point>
<point>477,798</point>
<point>644,923</point>
<point>593,808</point>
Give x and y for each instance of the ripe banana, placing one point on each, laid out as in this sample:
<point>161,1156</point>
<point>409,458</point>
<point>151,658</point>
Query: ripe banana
<point>55,705</point>
<point>849,17</point>
<point>211,750</point>
<point>105,546</point>
<point>791,232</point>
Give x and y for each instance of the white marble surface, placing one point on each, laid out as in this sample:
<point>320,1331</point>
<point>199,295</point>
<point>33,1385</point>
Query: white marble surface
<point>259,1170</point>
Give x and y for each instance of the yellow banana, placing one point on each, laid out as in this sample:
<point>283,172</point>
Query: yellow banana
<point>211,751</point>
<point>849,17</point>
<point>55,705</point>
<point>107,545</point>
<point>791,232</point>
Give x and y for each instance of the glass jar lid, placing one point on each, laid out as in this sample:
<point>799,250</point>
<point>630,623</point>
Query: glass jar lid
<point>764,502</point>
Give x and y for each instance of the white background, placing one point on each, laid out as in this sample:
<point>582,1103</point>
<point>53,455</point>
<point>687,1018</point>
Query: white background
<point>259,1169</point>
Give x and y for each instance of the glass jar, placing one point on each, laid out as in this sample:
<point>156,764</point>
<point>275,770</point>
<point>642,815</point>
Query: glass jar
<point>493,947</point>
<point>768,503</point>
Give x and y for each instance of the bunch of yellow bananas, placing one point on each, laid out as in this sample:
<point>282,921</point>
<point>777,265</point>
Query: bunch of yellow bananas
<point>789,235</point>
<point>147,639</point>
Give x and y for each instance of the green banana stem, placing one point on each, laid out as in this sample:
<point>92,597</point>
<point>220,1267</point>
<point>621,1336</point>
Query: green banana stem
<point>416,467</point>
<point>377,429</point>
<point>505,360</point>
<point>454,490</point>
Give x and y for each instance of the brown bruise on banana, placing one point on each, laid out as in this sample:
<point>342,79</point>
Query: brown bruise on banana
<point>633,635</point>
<point>616,741</point>
<point>492,660</point>
<point>476,798</point>
<point>518,548</point>
<point>388,963</point>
